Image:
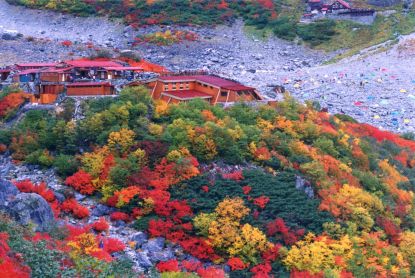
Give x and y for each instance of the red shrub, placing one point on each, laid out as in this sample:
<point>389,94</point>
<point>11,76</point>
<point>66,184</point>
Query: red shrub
<point>25,186</point>
<point>211,272</point>
<point>168,266</point>
<point>261,201</point>
<point>261,270</point>
<point>82,182</point>
<point>199,248</point>
<point>100,225</point>
<point>102,255</point>
<point>113,245</point>
<point>390,228</point>
<point>236,176</point>
<point>205,188</point>
<point>246,189</point>
<point>271,254</point>
<point>159,227</point>
<point>72,206</point>
<point>237,264</point>
<point>191,266</point>
<point>288,236</point>
<point>116,216</point>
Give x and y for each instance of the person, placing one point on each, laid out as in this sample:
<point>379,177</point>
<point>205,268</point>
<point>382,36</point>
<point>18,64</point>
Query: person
<point>101,241</point>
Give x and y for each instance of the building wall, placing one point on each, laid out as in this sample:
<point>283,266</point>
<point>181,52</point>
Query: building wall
<point>43,98</point>
<point>89,91</point>
<point>52,89</point>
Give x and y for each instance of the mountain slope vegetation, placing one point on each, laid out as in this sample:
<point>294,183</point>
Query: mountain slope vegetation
<point>276,189</point>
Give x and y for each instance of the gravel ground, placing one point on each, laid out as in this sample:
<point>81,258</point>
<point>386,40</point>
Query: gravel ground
<point>376,88</point>
<point>47,24</point>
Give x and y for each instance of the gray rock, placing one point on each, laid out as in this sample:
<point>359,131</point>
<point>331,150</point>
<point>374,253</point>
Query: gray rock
<point>11,35</point>
<point>29,208</point>
<point>59,197</point>
<point>139,238</point>
<point>119,223</point>
<point>143,259</point>
<point>7,192</point>
<point>101,210</point>
<point>154,245</point>
<point>164,255</point>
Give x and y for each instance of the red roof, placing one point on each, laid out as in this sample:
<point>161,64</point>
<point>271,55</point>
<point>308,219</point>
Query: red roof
<point>5,70</point>
<point>92,64</point>
<point>37,65</point>
<point>209,79</point>
<point>28,71</point>
<point>59,70</point>
<point>89,84</point>
<point>124,68</point>
<point>344,3</point>
<point>186,94</point>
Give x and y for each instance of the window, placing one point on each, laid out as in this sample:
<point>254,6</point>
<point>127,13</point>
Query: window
<point>223,94</point>
<point>181,86</point>
<point>166,87</point>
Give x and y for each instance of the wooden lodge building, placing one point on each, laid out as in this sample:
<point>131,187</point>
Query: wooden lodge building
<point>79,77</point>
<point>90,89</point>
<point>214,89</point>
<point>46,81</point>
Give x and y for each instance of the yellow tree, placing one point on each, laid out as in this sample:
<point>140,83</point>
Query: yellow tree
<point>121,141</point>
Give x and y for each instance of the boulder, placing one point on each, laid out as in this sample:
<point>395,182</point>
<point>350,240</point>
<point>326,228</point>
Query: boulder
<point>154,245</point>
<point>7,192</point>
<point>143,259</point>
<point>101,210</point>
<point>163,255</point>
<point>11,35</point>
<point>29,208</point>
<point>139,238</point>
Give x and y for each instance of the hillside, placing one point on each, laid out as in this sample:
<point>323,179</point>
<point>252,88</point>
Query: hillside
<point>277,189</point>
<point>267,17</point>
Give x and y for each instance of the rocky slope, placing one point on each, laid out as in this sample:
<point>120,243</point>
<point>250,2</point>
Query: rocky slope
<point>375,86</point>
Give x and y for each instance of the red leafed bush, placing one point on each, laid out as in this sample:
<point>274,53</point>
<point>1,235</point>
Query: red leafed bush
<point>9,267</point>
<point>246,189</point>
<point>72,206</point>
<point>75,231</point>
<point>205,188</point>
<point>100,225</point>
<point>288,236</point>
<point>191,266</point>
<point>81,212</point>
<point>237,264</point>
<point>25,186</point>
<point>168,266</point>
<point>236,176</point>
<point>271,254</point>
<point>199,248</point>
<point>261,201</point>
<point>159,227</point>
<point>261,270</point>
<point>11,102</point>
<point>116,216</point>
<point>82,182</point>
<point>211,272</point>
<point>306,274</point>
<point>390,228</point>
<point>102,255</point>
<point>113,245</point>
